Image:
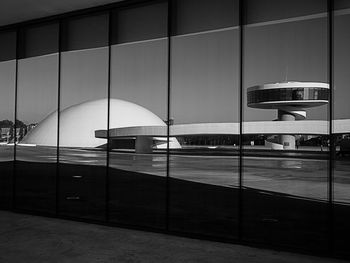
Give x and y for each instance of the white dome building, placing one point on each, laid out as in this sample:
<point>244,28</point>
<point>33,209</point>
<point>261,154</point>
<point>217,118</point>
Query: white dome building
<point>78,123</point>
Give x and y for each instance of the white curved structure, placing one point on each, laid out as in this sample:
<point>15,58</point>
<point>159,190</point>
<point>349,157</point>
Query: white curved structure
<point>290,99</point>
<point>313,127</point>
<point>78,123</point>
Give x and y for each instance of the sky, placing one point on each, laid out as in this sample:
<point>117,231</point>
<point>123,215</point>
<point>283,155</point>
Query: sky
<point>204,79</point>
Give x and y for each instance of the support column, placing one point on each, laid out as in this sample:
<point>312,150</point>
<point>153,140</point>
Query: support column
<point>288,141</point>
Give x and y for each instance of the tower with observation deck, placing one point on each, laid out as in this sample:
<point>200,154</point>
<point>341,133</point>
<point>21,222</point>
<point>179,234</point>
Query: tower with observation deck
<point>290,99</point>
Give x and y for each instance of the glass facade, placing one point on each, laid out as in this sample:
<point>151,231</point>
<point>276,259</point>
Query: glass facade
<point>83,108</point>
<point>341,137</point>
<point>284,197</point>
<point>203,169</point>
<point>37,87</point>
<point>149,115</point>
<point>137,164</point>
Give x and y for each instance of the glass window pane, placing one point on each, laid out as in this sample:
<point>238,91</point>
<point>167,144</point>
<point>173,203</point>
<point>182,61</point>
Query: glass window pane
<point>141,23</point>
<point>84,33</point>
<point>257,11</point>
<point>285,135</point>
<point>33,44</point>
<point>36,151</point>
<point>204,108</point>
<point>203,15</point>
<point>7,108</point>
<point>83,110</point>
<point>8,46</point>
<point>138,106</point>
<point>341,128</point>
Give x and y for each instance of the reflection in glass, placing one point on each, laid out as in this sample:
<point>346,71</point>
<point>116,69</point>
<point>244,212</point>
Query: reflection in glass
<point>285,125</point>
<point>83,110</point>
<point>204,112</point>
<point>7,107</point>
<point>37,88</point>
<point>138,106</point>
<point>341,129</point>
<point>181,172</point>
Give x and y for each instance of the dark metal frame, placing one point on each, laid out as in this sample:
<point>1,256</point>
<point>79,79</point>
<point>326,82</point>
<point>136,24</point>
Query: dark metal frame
<point>59,75</point>
<point>108,112</point>
<point>15,124</point>
<point>134,3</point>
<point>330,9</point>
<point>241,90</point>
<point>169,34</point>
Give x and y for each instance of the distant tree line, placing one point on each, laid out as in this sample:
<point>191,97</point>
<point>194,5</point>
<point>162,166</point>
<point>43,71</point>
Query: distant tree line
<point>7,131</point>
<point>10,124</point>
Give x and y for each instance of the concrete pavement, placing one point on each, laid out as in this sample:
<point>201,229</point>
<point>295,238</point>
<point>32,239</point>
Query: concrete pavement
<point>26,238</point>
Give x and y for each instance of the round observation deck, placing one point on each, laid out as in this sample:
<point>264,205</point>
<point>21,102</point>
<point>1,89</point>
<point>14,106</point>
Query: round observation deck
<point>288,94</point>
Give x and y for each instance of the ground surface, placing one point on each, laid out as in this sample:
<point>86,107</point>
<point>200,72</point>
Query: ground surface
<point>26,238</point>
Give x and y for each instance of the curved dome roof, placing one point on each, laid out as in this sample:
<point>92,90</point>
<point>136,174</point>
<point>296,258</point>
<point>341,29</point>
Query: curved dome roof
<point>78,123</point>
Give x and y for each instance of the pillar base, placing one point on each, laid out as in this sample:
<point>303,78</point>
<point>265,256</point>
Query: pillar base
<point>287,141</point>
